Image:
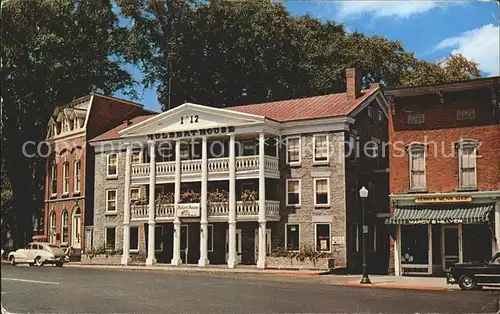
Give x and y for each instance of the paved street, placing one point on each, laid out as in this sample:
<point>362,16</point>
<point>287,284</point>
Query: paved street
<point>71,290</point>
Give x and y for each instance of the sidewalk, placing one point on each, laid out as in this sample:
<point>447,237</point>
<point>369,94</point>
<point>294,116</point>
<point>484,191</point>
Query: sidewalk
<point>396,282</point>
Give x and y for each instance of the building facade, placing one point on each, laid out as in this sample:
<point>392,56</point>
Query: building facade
<point>69,181</point>
<point>444,174</point>
<point>200,185</point>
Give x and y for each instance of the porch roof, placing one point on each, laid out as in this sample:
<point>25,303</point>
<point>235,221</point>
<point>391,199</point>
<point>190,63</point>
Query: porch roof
<point>441,214</point>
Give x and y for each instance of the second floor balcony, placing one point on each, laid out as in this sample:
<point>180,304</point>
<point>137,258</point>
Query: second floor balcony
<point>246,166</point>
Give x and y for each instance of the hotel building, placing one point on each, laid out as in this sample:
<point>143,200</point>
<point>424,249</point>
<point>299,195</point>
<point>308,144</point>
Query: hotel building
<point>203,185</point>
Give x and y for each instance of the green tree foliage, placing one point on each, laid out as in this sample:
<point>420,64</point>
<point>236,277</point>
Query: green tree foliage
<point>52,52</point>
<point>231,52</point>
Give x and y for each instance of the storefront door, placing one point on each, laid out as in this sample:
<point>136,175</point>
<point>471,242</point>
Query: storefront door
<point>184,243</point>
<point>451,240</point>
<point>268,243</point>
<point>238,246</point>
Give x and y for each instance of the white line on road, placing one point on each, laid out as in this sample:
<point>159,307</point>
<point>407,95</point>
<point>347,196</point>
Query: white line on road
<point>32,281</point>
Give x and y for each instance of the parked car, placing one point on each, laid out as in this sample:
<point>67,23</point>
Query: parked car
<point>475,275</point>
<point>38,254</point>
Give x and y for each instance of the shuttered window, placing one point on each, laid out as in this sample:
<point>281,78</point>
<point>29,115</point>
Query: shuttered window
<point>417,167</point>
<point>467,166</point>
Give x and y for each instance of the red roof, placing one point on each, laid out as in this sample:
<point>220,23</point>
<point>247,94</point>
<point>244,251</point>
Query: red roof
<point>325,106</point>
<point>113,133</point>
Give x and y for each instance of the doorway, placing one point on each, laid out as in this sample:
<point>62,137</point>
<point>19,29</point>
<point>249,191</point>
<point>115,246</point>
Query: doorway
<point>238,246</point>
<point>451,249</point>
<point>76,226</point>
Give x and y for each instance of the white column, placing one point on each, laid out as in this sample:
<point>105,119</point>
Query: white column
<point>203,261</point>
<point>496,248</point>
<point>261,262</point>
<point>126,208</point>
<point>176,256</point>
<point>397,251</point>
<point>150,260</point>
<point>429,248</point>
<point>231,261</point>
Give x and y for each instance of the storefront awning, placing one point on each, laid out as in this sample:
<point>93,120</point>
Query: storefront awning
<point>441,214</point>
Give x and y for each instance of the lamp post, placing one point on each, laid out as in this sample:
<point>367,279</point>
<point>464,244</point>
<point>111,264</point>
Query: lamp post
<point>363,194</point>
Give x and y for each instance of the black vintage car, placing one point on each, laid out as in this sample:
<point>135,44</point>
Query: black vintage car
<point>475,275</point>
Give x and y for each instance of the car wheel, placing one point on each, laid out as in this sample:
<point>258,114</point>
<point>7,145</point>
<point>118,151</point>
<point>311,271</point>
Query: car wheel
<point>59,264</point>
<point>12,260</point>
<point>38,261</point>
<point>467,282</point>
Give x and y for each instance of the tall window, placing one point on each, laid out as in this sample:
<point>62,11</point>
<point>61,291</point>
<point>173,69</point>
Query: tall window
<point>320,148</point>
<point>64,226</point>
<point>292,237</point>
<point>65,178</point>
<point>112,165</point>
<point>293,192</point>
<point>321,191</point>
<point>111,201</point>
<point>52,227</point>
<point>184,151</point>
<point>417,167</point>
<point>322,238</point>
<point>134,239</point>
<point>110,238</point>
<point>293,150</point>
<point>77,181</point>
<point>54,180</point>
<point>135,194</point>
<point>467,155</point>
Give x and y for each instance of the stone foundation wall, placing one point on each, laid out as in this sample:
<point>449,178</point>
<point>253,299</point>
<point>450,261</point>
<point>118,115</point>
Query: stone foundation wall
<point>286,262</point>
<point>102,259</point>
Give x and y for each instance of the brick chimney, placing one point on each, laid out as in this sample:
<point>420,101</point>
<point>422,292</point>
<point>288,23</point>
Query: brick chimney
<point>353,84</point>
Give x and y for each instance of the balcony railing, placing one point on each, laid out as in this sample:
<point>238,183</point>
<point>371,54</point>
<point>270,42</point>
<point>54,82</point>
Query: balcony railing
<point>244,210</point>
<point>215,165</point>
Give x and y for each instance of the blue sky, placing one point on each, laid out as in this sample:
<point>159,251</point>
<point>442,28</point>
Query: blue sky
<point>432,30</point>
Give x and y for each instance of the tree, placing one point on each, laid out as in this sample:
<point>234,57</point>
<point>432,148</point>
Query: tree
<point>52,52</point>
<point>227,53</point>
<point>454,68</point>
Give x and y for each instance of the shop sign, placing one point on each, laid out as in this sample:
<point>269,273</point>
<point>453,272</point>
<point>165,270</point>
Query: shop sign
<point>338,240</point>
<point>190,133</point>
<point>443,199</point>
<point>188,210</point>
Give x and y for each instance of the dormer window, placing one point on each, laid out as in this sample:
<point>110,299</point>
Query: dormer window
<point>75,124</point>
<point>65,125</point>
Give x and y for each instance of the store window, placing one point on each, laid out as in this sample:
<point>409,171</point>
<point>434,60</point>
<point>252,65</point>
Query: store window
<point>64,226</point>
<point>414,244</point>
<point>323,237</point>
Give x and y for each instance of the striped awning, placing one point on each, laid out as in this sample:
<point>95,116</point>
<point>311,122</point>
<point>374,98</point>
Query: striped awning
<point>441,214</point>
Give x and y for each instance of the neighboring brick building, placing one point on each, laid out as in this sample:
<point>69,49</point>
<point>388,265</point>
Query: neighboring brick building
<point>444,174</point>
<point>69,181</point>
<point>302,193</point>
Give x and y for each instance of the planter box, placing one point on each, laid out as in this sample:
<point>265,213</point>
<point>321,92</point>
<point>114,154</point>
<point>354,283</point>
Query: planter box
<point>102,259</point>
<point>324,263</point>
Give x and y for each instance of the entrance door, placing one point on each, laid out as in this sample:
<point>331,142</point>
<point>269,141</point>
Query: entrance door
<point>76,226</point>
<point>184,243</point>
<point>238,246</point>
<point>256,243</point>
<point>451,246</point>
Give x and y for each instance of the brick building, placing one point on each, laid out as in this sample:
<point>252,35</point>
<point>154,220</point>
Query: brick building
<point>203,185</point>
<point>69,181</point>
<point>444,161</point>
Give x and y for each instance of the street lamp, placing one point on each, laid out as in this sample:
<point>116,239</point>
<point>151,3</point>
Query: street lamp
<point>363,194</point>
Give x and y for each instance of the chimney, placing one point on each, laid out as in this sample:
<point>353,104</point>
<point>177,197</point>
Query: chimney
<point>353,83</point>
<point>127,122</point>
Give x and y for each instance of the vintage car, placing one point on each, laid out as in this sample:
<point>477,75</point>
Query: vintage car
<point>38,254</point>
<point>475,275</point>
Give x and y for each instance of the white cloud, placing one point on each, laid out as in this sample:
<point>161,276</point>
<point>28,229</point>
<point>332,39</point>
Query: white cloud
<point>481,45</point>
<point>397,9</point>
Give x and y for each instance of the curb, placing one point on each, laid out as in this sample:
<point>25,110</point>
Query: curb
<point>200,270</point>
<point>395,286</point>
